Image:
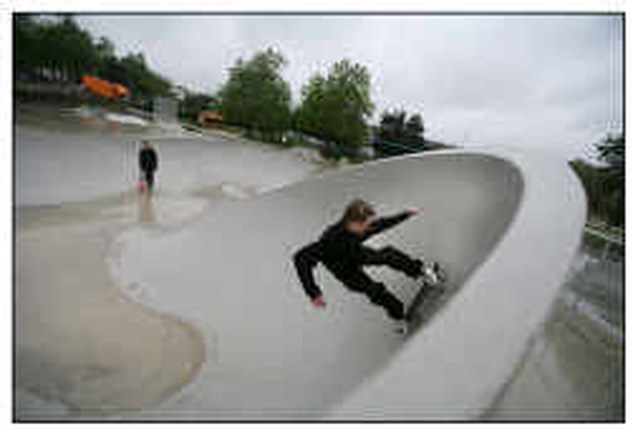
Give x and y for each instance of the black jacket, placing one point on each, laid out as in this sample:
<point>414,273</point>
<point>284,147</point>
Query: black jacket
<point>339,250</point>
<point>148,160</point>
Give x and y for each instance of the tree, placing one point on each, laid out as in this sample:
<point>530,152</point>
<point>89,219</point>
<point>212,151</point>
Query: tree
<point>394,126</point>
<point>64,50</point>
<point>612,152</point>
<point>133,72</point>
<point>55,48</point>
<point>257,97</point>
<point>105,52</point>
<point>27,42</point>
<point>336,107</point>
<point>604,184</point>
<point>105,48</point>
<point>592,178</point>
<point>414,129</point>
<point>141,79</point>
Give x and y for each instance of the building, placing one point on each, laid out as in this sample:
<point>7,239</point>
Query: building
<point>209,118</point>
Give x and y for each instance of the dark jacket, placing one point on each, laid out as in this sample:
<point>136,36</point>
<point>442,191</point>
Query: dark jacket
<point>148,160</point>
<point>339,250</point>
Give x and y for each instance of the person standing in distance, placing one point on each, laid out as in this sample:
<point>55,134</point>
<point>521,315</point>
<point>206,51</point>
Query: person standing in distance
<point>148,163</point>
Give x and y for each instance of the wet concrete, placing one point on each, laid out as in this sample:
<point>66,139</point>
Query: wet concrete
<point>79,340</point>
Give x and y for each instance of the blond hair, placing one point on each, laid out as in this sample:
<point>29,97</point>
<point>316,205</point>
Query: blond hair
<point>358,211</point>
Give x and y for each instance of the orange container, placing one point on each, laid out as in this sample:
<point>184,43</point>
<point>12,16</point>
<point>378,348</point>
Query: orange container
<point>104,88</point>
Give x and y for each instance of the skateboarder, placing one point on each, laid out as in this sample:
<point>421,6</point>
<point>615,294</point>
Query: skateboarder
<point>341,250</point>
<point>148,163</point>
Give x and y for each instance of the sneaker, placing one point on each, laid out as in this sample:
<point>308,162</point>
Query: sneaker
<point>402,327</point>
<point>431,273</point>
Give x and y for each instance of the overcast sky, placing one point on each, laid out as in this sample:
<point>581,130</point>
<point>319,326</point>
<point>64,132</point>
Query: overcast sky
<point>547,82</point>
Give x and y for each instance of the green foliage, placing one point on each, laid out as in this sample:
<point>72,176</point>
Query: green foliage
<point>395,127</point>
<point>604,185</point>
<point>392,125</point>
<point>55,48</point>
<point>27,35</point>
<point>612,152</point>
<point>336,107</point>
<point>592,177</point>
<point>256,97</point>
<point>133,72</point>
<point>105,49</point>
<point>414,128</point>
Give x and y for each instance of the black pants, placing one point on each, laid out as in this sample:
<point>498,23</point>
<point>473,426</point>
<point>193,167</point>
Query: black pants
<point>149,178</point>
<point>357,280</point>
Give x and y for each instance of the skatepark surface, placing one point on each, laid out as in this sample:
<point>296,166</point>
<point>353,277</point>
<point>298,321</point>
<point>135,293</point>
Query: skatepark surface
<point>272,356</point>
<point>222,329</point>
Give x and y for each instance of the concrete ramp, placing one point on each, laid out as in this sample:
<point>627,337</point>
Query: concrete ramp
<point>505,225</point>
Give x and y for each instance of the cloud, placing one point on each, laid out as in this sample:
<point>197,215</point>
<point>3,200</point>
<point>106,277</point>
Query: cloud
<point>549,82</point>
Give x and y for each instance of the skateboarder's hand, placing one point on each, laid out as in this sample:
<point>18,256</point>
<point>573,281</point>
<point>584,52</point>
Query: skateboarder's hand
<point>413,211</point>
<point>318,302</point>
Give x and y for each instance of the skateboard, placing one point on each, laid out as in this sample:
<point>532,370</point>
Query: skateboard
<point>423,304</point>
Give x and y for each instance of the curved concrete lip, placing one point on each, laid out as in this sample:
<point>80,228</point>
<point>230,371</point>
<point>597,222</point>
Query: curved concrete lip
<point>504,223</point>
<point>457,368</point>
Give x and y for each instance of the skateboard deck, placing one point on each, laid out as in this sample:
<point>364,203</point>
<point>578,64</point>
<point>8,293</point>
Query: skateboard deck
<point>425,302</point>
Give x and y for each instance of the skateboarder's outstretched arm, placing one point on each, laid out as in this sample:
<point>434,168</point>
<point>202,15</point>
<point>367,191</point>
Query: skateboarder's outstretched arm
<point>384,223</point>
<point>305,260</point>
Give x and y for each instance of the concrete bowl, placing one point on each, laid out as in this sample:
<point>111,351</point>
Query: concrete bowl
<point>504,223</point>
